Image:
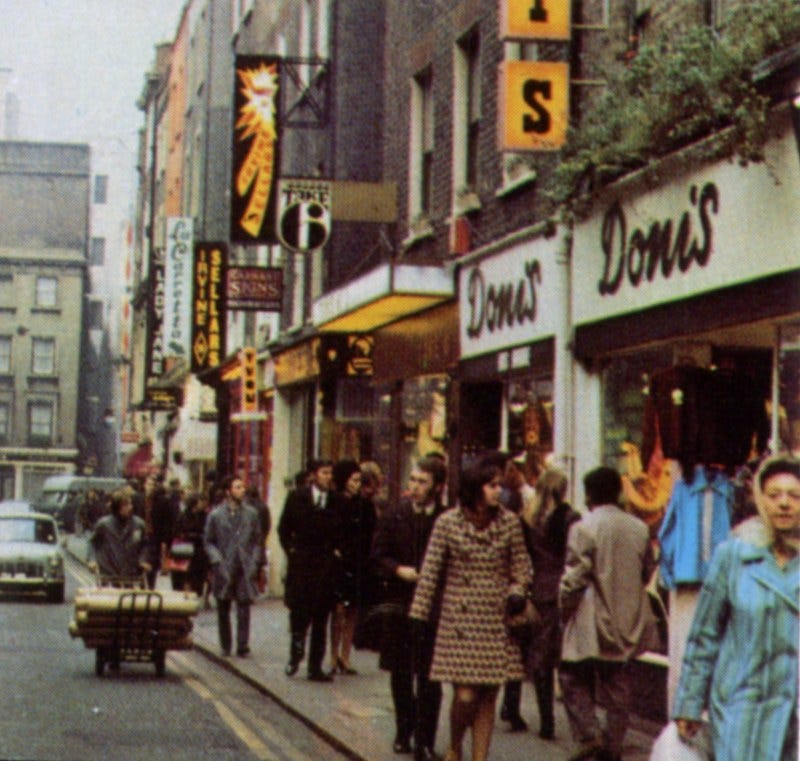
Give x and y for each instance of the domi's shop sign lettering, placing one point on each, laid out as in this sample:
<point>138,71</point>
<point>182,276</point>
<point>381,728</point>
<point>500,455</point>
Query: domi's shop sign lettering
<point>662,246</point>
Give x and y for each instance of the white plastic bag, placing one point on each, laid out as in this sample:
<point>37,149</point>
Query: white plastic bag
<point>669,746</point>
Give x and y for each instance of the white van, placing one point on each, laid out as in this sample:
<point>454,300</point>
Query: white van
<point>63,495</point>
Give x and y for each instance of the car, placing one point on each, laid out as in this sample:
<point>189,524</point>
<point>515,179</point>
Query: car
<point>30,555</point>
<point>15,506</point>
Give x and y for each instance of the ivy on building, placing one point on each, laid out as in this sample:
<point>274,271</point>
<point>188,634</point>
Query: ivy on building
<point>675,91</point>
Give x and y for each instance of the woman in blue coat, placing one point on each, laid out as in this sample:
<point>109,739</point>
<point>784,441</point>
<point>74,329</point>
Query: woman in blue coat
<point>741,660</point>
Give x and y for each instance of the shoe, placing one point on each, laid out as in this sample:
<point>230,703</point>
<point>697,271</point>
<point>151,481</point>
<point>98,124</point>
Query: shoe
<point>342,668</point>
<point>243,651</point>
<point>505,714</point>
<point>547,733</point>
<point>424,753</point>
<point>319,676</point>
<point>291,668</point>
<point>401,746</point>
<point>518,724</point>
<point>588,749</point>
<point>226,652</point>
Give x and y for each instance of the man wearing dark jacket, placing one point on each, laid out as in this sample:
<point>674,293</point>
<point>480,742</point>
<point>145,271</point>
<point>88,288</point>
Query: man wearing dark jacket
<point>308,533</point>
<point>398,549</point>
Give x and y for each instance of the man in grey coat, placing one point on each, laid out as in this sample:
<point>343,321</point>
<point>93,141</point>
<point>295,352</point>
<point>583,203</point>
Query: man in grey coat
<point>235,552</point>
<point>605,614</point>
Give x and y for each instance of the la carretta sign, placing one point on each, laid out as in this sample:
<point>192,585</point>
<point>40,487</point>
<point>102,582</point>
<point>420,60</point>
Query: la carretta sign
<point>695,234</point>
<point>509,299</point>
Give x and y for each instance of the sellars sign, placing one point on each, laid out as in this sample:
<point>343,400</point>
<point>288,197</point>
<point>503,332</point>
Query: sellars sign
<point>208,305</point>
<point>254,288</point>
<point>255,149</point>
<point>535,19</point>
<point>535,105</point>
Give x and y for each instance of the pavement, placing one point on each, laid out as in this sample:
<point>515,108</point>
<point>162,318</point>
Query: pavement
<point>354,713</point>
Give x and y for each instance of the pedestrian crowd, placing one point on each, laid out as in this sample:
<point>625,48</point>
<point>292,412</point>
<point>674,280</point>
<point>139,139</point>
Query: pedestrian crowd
<point>509,584</point>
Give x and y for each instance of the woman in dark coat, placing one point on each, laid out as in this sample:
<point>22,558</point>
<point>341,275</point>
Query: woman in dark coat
<point>190,527</point>
<point>356,524</point>
<point>546,527</point>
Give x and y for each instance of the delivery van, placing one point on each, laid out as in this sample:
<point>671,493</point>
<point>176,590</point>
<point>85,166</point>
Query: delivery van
<point>63,496</point>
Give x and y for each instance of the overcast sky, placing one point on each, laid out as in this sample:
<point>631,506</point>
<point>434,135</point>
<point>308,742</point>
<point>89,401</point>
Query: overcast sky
<point>79,65</point>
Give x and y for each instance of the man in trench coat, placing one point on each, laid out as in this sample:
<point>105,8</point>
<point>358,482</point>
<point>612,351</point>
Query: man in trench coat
<point>235,551</point>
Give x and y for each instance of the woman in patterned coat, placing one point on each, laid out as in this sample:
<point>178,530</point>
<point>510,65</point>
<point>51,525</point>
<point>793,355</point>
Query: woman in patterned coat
<point>477,554</point>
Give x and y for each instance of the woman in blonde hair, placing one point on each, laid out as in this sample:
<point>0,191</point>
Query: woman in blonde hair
<point>547,521</point>
<point>741,662</point>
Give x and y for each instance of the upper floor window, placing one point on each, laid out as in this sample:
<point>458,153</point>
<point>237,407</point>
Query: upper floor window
<point>5,354</point>
<point>41,420</point>
<point>46,291</point>
<point>466,112</point>
<point>100,188</point>
<point>5,420</point>
<point>421,170</point>
<point>43,356</point>
<point>97,252</point>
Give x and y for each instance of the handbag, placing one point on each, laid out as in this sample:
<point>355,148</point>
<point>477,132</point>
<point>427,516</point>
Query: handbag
<point>522,626</point>
<point>670,747</point>
<point>181,550</point>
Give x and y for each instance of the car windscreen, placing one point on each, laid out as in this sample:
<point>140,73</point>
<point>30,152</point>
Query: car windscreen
<point>27,530</point>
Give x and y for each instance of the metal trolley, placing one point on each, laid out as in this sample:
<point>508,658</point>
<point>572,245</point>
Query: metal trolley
<point>135,633</point>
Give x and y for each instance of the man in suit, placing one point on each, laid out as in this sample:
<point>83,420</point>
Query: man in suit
<point>406,650</point>
<point>232,541</point>
<point>309,535</point>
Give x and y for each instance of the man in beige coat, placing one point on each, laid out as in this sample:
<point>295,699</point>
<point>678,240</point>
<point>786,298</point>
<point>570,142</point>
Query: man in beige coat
<point>605,613</point>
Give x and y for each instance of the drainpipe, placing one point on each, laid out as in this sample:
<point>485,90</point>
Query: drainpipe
<point>563,392</point>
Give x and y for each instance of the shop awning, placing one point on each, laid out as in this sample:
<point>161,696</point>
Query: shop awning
<point>388,293</point>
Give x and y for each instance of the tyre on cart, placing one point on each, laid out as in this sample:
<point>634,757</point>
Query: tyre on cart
<point>100,661</point>
<point>160,661</point>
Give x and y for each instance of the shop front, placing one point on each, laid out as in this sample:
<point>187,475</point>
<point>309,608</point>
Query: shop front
<point>514,373</point>
<point>415,363</point>
<point>686,306</point>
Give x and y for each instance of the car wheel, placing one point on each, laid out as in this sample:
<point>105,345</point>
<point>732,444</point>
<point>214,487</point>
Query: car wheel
<point>56,593</point>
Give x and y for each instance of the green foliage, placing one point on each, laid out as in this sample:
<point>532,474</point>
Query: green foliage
<point>676,91</point>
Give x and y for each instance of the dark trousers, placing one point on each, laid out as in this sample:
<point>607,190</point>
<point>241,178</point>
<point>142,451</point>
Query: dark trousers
<point>584,684</point>
<point>224,624</point>
<point>416,710</point>
<point>300,618</point>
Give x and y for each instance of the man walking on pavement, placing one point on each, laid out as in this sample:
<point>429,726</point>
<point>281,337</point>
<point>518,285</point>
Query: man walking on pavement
<point>233,544</point>
<point>398,549</point>
<point>309,534</point>
<point>605,613</point>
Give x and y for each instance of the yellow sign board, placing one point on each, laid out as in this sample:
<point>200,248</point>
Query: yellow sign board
<point>534,97</point>
<point>535,19</point>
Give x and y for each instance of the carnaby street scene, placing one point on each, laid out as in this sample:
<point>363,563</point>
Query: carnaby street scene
<point>400,380</point>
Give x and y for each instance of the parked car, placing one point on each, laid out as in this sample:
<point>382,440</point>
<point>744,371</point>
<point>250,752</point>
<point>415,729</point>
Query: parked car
<point>15,506</point>
<point>63,496</point>
<point>30,555</point>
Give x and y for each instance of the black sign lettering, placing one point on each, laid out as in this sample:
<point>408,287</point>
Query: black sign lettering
<point>646,252</point>
<point>530,90</point>
<point>502,305</point>
<point>538,12</point>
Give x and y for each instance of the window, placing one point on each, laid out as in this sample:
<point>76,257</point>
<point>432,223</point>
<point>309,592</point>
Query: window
<point>5,354</point>
<point>466,114</point>
<point>94,314</point>
<point>100,188</point>
<point>5,420</point>
<point>46,291</point>
<point>97,252</point>
<point>43,360</point>
<point>41,421</point>
<point>422,144</point>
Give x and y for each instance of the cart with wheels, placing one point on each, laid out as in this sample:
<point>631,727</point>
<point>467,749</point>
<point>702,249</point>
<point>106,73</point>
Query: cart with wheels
<point>128,623</point>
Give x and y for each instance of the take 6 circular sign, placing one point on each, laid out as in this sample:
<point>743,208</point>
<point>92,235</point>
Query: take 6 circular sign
<point>304,209</point>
